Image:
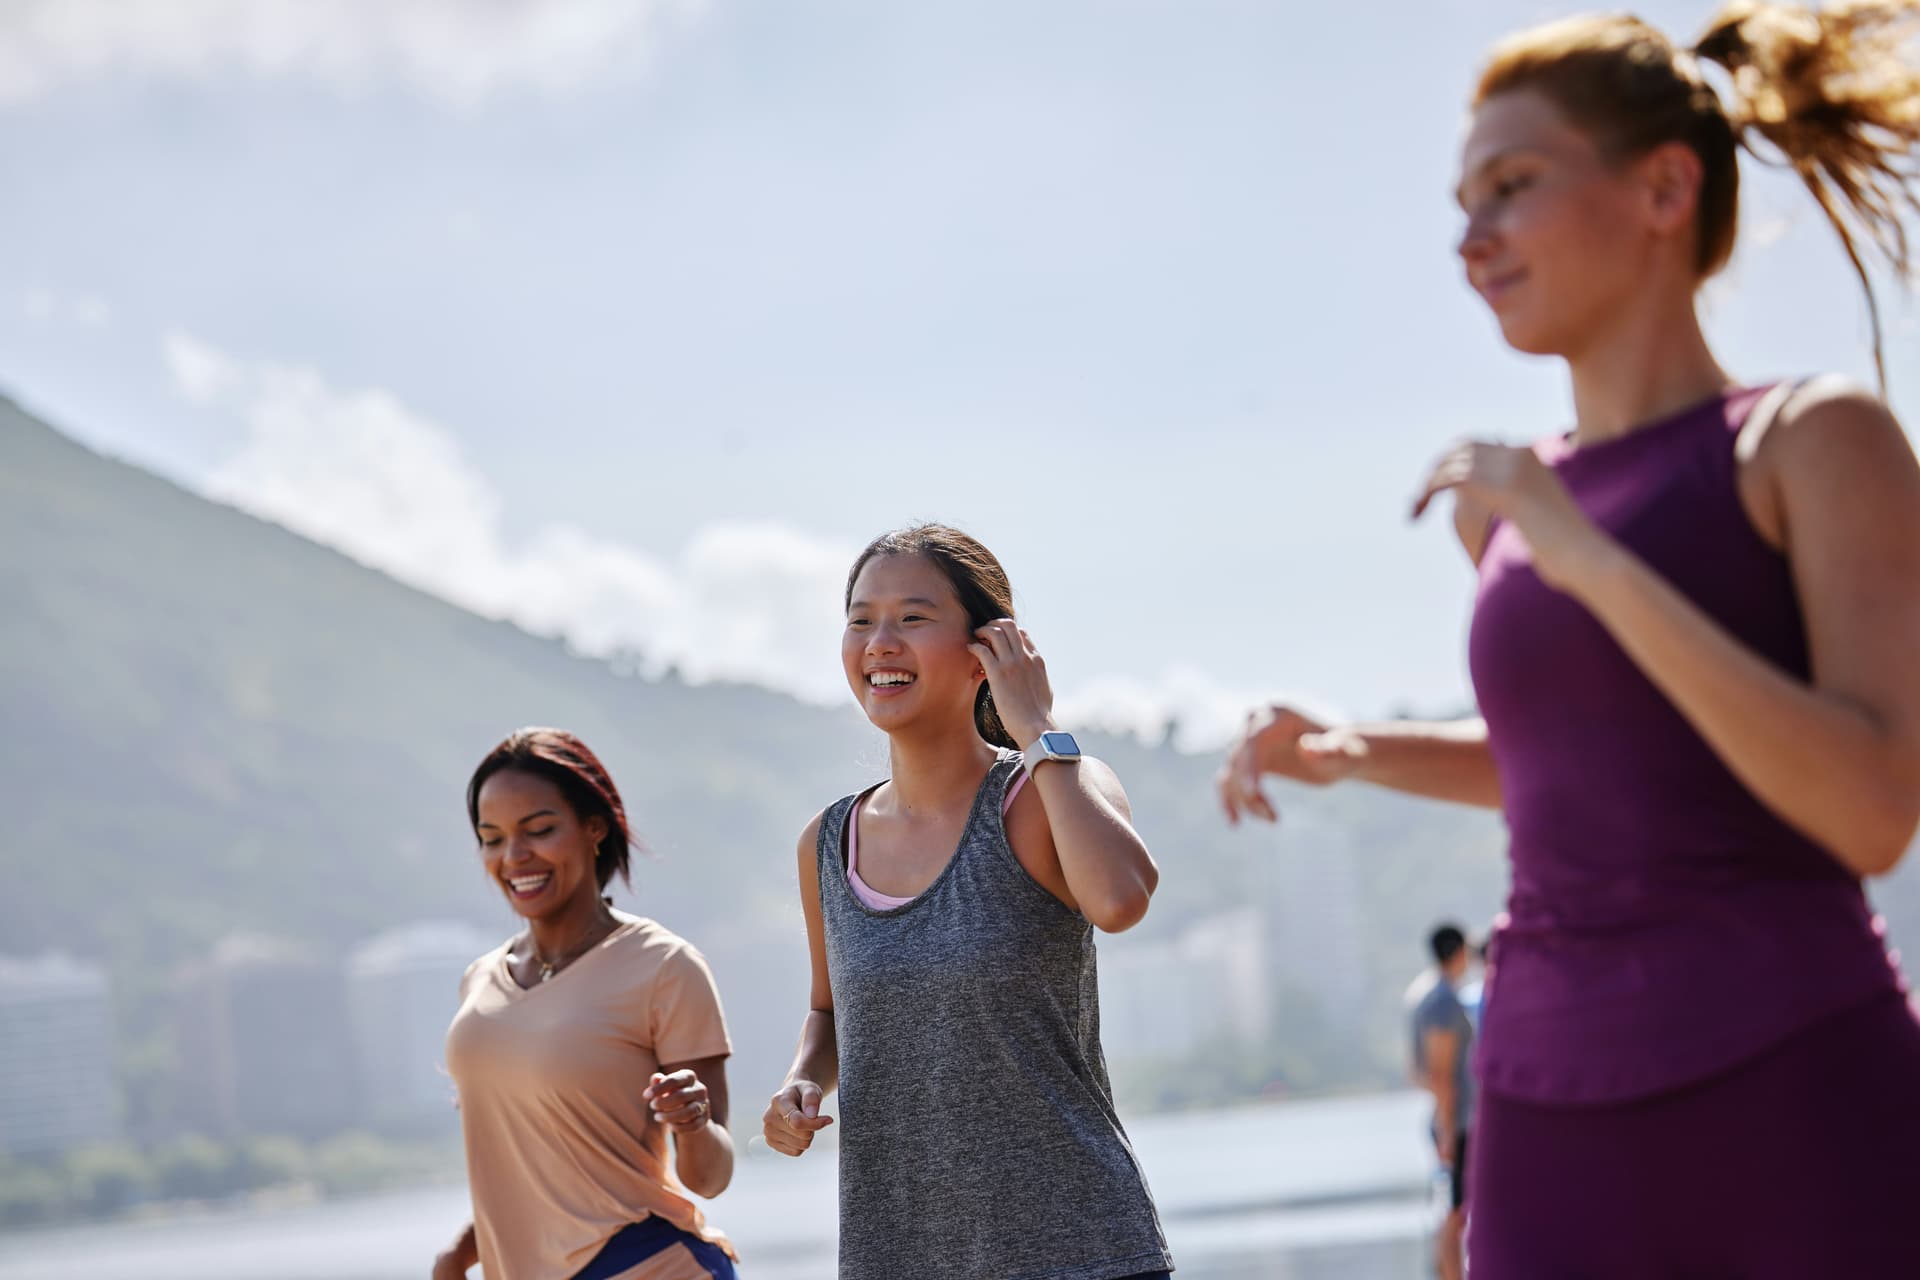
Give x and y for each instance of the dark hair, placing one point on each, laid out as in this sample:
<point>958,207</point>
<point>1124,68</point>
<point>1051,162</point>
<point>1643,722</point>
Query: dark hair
<point>1826,91</point>
<point>977,579</point>
<point>1448,941</point>
<point>566,762</point>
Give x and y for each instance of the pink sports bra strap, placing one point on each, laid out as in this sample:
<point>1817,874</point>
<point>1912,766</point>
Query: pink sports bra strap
<point>874,899</point>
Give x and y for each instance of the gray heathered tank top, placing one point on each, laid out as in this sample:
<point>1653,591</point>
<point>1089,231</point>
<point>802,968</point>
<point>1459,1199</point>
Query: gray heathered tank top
<point>978,1137</point>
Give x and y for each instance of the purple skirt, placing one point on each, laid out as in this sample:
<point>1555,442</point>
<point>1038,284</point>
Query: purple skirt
<point>1802,1162</point>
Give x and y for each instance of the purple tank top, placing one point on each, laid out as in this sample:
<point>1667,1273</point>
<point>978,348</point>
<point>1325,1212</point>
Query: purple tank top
<point>1664,924</point>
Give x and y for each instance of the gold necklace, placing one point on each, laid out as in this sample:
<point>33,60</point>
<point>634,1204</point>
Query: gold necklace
<point>550,967</point>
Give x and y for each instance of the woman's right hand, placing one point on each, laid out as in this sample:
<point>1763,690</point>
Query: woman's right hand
<point>464,1255</point>
<point>793,1117</point>
<point>1277,739</point>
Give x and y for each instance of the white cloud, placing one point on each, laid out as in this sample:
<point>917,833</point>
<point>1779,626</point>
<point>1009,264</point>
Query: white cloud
<point>459,52</point>
<point>47,309</point>
<point>1204,713</point>
<point>360,471</point>
<point>202,374</point>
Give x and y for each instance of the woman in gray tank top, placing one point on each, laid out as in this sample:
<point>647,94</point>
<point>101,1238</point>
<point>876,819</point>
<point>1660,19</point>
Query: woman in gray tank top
<point>950,913</point>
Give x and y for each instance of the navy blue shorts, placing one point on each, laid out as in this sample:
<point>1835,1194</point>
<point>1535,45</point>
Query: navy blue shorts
<point>633,1245</point>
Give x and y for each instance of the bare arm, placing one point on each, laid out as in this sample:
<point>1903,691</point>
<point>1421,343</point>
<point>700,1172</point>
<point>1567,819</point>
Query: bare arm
<point>1444,760</point>
<point>793,1114</point>
<point>1442,1048</point>
<point>702,1147</point>
<point>1081,844</point>
<point>1077,839</point>
<point>1447,760</point>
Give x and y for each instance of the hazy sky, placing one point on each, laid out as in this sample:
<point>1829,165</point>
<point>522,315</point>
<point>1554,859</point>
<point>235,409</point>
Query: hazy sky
<point>633,320</point>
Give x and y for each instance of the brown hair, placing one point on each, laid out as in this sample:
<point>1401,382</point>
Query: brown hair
<point>565,761</point>
<point>977,579</point>
<point>1826,92</point>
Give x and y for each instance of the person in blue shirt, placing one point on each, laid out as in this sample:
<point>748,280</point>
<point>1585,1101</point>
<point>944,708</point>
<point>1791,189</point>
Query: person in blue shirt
<point>1442,1051</point>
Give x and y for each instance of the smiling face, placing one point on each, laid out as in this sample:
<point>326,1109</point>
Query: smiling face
<point>535,846</point>
<point>1558,241</point>
<point>905,646</point>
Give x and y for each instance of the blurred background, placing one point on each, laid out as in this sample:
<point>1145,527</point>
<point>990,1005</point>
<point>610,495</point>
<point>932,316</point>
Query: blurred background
<point>380,377</point>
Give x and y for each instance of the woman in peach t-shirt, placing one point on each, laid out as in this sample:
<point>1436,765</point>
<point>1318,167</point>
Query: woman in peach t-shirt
<point>579,1044</point>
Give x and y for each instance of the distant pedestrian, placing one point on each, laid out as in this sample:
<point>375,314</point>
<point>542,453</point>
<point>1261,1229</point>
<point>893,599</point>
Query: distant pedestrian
<point>1441,1046</point>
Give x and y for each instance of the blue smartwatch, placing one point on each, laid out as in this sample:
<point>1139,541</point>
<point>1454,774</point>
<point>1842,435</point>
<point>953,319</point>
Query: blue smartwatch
<point>1055,744</point>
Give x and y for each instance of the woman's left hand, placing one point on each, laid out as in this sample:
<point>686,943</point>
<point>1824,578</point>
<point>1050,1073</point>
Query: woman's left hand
<point>1017,674</point>
<point>679,1101</point>
<point>1513,484</point>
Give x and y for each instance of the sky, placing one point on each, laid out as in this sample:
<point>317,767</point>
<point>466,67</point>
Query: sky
<point>632,320</point>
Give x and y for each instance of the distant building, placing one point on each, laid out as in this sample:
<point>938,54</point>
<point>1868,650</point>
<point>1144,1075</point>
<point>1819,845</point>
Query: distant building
<point>1206,986</point>
<point>1315,942</point>
<point>56,1056</point>
<point>264,1042</point>
<point>402,989</point>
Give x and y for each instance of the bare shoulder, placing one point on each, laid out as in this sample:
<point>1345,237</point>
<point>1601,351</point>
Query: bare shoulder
<point>810,834</point>
<point>1827,418</point>
<point>1827,440</point>
<point>807,855</point>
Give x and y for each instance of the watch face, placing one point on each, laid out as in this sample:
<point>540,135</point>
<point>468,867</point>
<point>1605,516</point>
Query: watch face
<point>1060,744</point>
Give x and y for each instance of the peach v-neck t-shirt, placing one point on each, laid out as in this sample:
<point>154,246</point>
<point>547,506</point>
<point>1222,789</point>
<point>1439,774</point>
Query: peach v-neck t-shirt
<point>562,1151</point>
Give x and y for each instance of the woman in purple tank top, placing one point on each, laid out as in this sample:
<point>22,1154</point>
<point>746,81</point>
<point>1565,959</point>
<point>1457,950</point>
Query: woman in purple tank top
<point>1696,648</point>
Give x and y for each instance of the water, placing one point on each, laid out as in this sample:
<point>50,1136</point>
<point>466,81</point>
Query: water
<point>1326,1190</point>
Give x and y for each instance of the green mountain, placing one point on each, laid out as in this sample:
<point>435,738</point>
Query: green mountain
<point>214,726</point>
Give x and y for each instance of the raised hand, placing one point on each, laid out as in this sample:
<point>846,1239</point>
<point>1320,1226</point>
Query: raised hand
<point>1514,485</point>
<point>1279,740</point>
<point>679,1101</point>
<point>456,1260</point>
<point>1017,674</point>
<point>793,1117</point>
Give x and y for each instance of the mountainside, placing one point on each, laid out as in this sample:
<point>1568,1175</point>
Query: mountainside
<point>218,725</point>
<point>215,726</point>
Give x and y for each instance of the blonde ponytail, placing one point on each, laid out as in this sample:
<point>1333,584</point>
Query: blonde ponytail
<point>1833,94</point>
